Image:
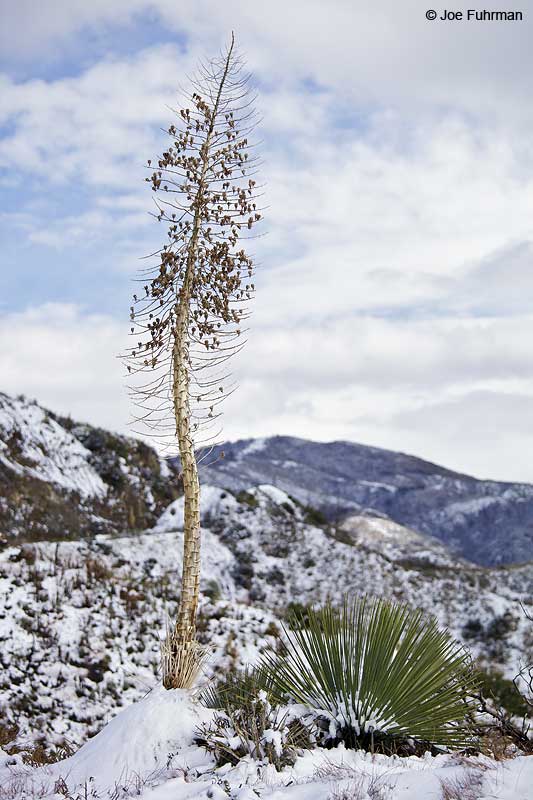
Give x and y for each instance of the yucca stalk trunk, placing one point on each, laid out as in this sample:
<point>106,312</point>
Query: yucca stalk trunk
<point>190,580</point>
<point>182,655</point>
<point>188,323</point>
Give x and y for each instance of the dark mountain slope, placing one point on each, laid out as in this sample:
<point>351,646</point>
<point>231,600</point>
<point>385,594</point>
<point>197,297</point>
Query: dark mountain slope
<point>488,522</point>
<point>60,479</point>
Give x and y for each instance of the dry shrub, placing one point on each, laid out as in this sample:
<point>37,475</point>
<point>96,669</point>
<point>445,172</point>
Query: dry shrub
<point>97,571</point>
<point>260,731</point>
<point>249,722</point>
<point>359,790</point>
<point>498,746</point>
<point>34,754</point>
<point>38,755</point>
<point>354,791</point>
<point>467,786</point>
<point>355,785</point>
<point>22,785</point>
<point>8,733</point>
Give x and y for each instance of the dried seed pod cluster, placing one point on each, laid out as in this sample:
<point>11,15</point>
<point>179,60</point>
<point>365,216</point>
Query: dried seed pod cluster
<point>190,311</point>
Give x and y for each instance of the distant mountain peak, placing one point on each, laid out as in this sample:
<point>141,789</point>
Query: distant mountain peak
<point>487,522</point>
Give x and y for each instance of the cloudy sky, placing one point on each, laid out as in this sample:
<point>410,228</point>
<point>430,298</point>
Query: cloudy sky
<point>395,287</point>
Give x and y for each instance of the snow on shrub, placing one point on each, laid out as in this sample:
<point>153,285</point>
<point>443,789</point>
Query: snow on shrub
<point>247,723</point>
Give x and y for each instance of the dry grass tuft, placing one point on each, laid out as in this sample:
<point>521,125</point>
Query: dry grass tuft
<point>22,785</point>
<point>354,791</point>
<point>8,733</point>
<point>181,662</point>
<point>358,789</point>
<point>463,787</point>
<point>498,746</point>
<point>355,785</point>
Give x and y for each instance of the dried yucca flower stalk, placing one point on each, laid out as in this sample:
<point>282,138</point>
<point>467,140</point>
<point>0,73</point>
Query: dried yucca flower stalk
<point>187,320</point>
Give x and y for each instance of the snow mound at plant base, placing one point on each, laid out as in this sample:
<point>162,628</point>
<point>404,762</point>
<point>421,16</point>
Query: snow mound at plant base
<point>138,741</point>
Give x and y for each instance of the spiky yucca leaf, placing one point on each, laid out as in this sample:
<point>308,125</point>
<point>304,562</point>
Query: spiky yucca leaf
<point>237,690</point>
<point>376,669</point>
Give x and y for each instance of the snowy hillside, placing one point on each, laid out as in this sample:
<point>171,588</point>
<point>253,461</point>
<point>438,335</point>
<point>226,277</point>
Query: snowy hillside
<point>60,479</point>
<point>90,563</point>
<point>36,446</point>
<point>81,620</point>
<point>488,522</point>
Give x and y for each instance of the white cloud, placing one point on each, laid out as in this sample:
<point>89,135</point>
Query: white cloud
<point>95,128</point>
<point>428,355</point>
<point>67,361</point>
<point>498,427</point>
<point>386,52</point>
<point>425,195</point>
<point>455,391</point>
<point>371,226</point>
<point>29,28</point>
<point>393,301</point>
<point>500,284</point>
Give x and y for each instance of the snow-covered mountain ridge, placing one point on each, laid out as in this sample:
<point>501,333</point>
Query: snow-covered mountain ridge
<point>60,479</point>
<point>488,522</point>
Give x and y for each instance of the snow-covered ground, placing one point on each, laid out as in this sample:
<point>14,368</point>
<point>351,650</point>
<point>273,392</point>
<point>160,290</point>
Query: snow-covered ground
<point>148,750</point>
<point>81,620</point>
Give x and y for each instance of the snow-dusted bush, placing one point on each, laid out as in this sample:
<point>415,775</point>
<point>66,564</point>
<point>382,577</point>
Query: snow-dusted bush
<point>249,723</point>
<point>374,674</point>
